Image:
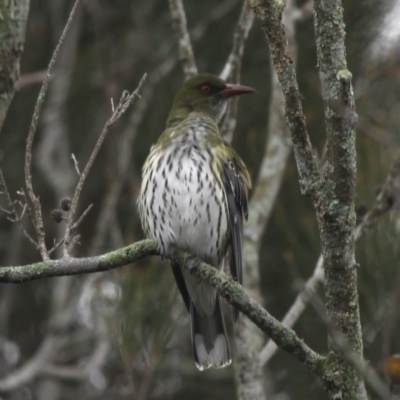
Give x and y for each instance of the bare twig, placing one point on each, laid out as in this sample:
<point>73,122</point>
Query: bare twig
<point>384,201</point>
<point>81,218</point>
<point>232,68</point>
<point>185,47</point>
<point>297,308</point>
<point>240,34</point>
<point>11,204</point>
<point>125,154</point>
<point>15,218</point>
<point>37,211</point>
<point>29,237</point>
<point>30,79</point>
<point>125,101</point>
<point>53,150</point>
<point>76,164</point>
<point>56,246</point>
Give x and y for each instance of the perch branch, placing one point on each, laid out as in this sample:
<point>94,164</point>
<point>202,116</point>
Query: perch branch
<point>230,290</point>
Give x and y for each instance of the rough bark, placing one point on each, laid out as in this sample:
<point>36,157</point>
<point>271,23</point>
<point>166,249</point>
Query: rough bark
<point>14,15</point>
<point>332,190</point>
<point>335,209</point>
<point>269,13</point>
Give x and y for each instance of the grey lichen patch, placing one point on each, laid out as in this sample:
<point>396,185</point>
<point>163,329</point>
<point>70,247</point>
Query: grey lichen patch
<point>26,272</point>
<point>42,267</point>
<point>131,253</point>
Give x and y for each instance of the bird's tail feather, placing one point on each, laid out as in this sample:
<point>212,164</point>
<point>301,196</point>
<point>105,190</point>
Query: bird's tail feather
<point>209,339</point>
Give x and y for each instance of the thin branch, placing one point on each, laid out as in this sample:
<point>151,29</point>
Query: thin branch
<point>37,211</point>
<point>30,78</point>
<point>56,246</point>
<point>240,35</point>
<point>185,47</point>
<point>11,204</point>
<point>232,68</point>
<point>384,201</point>
<point>76,164</point>
<point>53,149</point>
<point>297,308</point>
<point>15,218</point>
<point>81,218</point>
<point>125,101</point>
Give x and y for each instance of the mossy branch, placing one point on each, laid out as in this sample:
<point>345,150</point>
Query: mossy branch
<point>230,290</point>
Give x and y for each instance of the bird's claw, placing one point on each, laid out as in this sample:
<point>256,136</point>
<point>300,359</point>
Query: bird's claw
<point>193,262</point>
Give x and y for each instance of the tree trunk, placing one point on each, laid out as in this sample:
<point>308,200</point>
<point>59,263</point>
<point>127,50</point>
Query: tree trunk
<point>14,14</point>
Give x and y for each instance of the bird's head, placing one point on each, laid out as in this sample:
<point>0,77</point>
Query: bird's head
<point>204,94</point>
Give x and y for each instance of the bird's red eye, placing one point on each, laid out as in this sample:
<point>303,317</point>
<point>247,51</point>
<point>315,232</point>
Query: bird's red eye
<point>206,89</point>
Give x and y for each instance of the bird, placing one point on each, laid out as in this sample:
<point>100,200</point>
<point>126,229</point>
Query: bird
<point>194,197</point>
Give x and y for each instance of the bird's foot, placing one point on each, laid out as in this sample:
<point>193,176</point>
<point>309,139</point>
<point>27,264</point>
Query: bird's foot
<point>193,262</point>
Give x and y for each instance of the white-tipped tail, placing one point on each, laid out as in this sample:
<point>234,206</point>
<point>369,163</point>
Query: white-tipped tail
<point>209,338</point>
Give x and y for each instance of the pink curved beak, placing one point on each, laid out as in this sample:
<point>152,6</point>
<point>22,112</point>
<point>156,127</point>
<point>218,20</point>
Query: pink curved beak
<point>236,90</point>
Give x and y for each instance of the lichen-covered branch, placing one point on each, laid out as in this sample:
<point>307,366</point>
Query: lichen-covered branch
<point>226,287</point>
<point>269,13</point>
<point>335,208</point>
<point>75,266</point>
<point>384,202</point>
<point>234,294</point>
<point>12,36</point>
<point>333,189</point>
